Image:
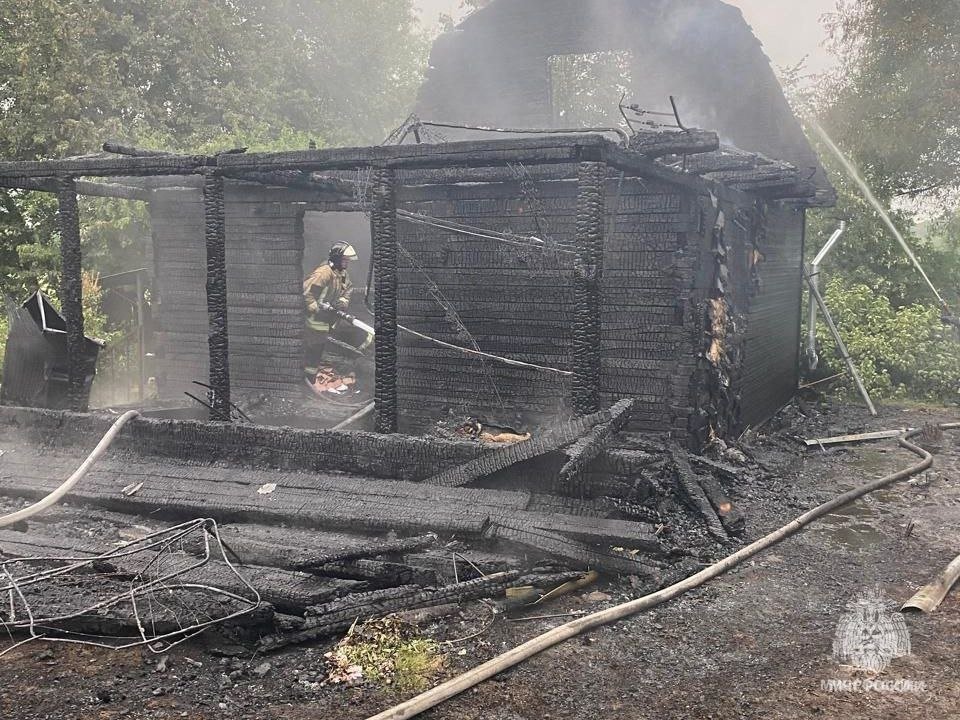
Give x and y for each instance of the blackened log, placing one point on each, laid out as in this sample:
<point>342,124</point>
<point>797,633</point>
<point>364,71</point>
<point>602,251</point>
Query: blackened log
<point>694,495</point>
<point>379,573</point>
<point>587,320</point>
<point>714,162</point>
<point>287,591</point>
<point>130,151</point>
<point>731,518</point>
<point>501,458</point>
<point>339,615</point>
<point>385,253</point>
<point>556,545</point>
<point>71,288</point>
<point>374,549</point>
<point>218,339</point>
<point>586,449</point>
<point>684,142</point>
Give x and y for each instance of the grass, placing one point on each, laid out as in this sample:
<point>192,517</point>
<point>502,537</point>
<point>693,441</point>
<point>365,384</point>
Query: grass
<point>387,652</point>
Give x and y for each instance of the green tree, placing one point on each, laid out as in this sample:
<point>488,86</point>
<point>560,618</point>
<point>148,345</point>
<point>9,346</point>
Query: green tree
<point>184,75</point>
<point>897,93</point>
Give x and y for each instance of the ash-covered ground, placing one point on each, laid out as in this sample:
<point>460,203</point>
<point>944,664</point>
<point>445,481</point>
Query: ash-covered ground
<point>756,643</point>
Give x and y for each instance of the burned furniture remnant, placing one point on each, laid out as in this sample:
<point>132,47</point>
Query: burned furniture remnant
<point>37,371</point>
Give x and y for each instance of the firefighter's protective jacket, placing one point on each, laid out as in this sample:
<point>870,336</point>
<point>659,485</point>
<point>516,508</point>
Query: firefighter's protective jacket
<point>329,286</point>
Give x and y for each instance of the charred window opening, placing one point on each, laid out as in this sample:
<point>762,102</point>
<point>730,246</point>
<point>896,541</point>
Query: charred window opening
<point>585,89</point>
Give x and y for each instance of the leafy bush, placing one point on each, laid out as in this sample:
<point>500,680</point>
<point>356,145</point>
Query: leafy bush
<point>900,352</point>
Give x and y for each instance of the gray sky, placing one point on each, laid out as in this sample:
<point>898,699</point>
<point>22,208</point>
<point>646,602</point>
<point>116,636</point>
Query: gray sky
<point>788,29</point>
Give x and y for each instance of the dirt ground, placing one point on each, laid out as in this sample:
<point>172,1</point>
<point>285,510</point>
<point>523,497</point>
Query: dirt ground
<point>756,643</point>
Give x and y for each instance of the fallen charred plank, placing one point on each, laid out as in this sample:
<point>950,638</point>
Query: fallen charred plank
<point>378,573</point>
<point>587,448</point>
<point>694,494</point>
<point>287,591</point>
<point>374,549</point>
<point>728,472</point>
<point>731,518</point>
<point>684,142</point>
<point>323,620</point>
<point>556,545</point>
<point>502,458</point>
<point>347,503</point>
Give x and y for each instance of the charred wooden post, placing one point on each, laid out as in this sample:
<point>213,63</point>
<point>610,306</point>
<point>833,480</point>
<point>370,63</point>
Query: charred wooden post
<point>71,287</point>
<point>385,323</point>
<point>589,266</point>
<point>215,235</point>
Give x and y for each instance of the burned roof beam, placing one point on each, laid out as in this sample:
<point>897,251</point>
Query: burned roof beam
<point>473,153</point>
<point>720,161</point>
<point>85,187</point>
<point>104,167</point>
<point>635,164</point>
<point>685,142</point>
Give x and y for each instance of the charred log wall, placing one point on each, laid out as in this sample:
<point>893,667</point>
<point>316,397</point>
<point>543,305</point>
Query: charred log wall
<point>264,245</point>
<point>520,302</point>
<point>702,51</point>
<point>771,368</point>
<point>746,304</point>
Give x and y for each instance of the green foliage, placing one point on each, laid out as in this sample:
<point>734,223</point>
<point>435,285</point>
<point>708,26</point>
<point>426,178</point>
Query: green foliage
<point>896,94</point>
<point>386,651</point>
<point>900,352</point>
<point>196,76</point>
<point>891,106</point>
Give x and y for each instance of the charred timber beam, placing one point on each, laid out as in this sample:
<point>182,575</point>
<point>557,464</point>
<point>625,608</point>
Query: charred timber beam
<point>774,173</point>
<point>102,167</point>
<point>130,151</point>
<point>588,448</point>
<point>84,187</point>
<point>636,164</point>
<point>473,153</point>
<point>801,191</point>
<point>715,162</point>
<point>71,288</point>
<point>684,142</point>
<point>586,367</point>
<point>217,338</point>
<point>694,494</point>
<point>374,549</point>
<point>340,614</point>
<point>385,253</point>
<point>502,458</point>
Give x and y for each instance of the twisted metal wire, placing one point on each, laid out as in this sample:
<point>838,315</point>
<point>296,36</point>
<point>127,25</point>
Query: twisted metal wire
<point>156,592</point>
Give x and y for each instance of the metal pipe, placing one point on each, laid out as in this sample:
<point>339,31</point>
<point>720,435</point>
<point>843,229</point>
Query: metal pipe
<point>812,359</point>
<point>815,293</point>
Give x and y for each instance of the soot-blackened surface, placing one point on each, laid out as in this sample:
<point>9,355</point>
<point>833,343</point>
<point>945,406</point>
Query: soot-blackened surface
<point>753,644</point>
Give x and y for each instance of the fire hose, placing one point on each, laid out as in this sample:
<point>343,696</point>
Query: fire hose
<point>68,485</point>
<point>360,325</point>
<point>517,655</point>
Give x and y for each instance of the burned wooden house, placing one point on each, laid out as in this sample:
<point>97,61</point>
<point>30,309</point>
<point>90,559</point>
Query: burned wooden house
<point>641,276</point>
<point>515,277</point>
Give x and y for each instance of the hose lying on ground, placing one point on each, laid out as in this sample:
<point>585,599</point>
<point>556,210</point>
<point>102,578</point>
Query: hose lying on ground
<point>55,497</point>
<point>473,677</point>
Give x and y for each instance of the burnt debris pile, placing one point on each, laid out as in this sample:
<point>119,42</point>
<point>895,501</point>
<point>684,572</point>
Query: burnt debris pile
<point>176,530</point>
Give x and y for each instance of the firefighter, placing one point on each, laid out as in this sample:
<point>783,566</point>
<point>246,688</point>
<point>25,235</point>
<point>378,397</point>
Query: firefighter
<point>330,284</point>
